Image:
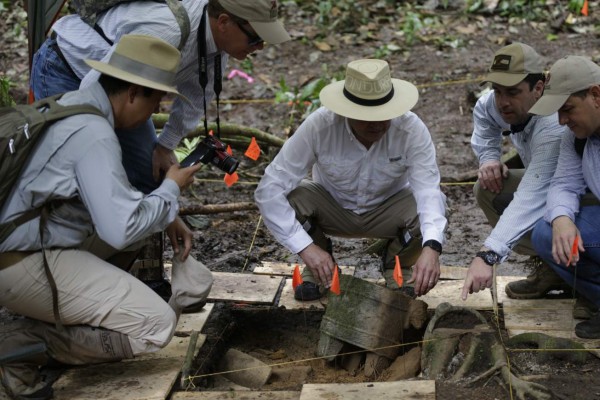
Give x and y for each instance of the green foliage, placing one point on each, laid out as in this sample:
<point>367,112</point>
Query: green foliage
<point>533,10</point>
<point>5,97</point>
<point>336,15</point>
<point>186,147</point>
<point>247,65</point>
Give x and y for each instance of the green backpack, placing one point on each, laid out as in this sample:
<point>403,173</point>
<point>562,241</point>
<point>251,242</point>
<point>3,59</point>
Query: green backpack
<point>21,127</point>
<point>89,10</point>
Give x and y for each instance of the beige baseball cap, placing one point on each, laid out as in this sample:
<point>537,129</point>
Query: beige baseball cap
<point>568,75</point>
<point>143,60</point>
<point>369,93</point>
<point>262,16</point>
<point>512,64</point>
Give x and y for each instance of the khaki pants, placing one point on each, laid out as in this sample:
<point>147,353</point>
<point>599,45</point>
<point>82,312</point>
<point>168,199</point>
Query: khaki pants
<point>90,292</point>
<point>395,219</point>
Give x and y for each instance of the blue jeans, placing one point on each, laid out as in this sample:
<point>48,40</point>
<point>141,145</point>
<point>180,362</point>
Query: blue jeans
<point>585,276</point>
<point>50,75</point>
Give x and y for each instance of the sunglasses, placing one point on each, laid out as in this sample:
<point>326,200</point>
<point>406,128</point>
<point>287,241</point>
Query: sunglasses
<point>253,38</point>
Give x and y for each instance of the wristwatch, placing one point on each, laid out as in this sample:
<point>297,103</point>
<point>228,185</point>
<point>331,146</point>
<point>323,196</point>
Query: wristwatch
<point>489,257</point>
<point>434,244</point>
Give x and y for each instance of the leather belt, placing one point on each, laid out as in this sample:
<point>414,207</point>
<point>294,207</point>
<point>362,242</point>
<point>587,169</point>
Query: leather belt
<point>10,258</point>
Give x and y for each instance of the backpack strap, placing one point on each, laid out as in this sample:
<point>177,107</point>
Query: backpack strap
<point>579,145</point>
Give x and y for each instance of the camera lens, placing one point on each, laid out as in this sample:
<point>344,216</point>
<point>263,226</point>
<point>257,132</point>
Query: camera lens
<point>228,164</point>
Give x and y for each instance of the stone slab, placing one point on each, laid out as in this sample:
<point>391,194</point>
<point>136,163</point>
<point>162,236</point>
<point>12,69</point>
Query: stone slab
<point>400,390</point>
<point>238,395</point>
<point>244,288</point>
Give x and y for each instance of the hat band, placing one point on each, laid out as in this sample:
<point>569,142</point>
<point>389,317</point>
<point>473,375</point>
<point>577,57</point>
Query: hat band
<point>142,70</point>
<point>369,102</point>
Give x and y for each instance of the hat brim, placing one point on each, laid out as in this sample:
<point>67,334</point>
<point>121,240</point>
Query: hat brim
<point>503,79</point>
<point>132,78</point>
<point>271,32</point>
<point>405,97</point>
<point>548,104</point>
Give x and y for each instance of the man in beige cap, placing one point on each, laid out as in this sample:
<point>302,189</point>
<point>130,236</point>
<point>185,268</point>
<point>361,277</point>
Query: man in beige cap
<point>374,174</point>
<point>217,29</point>
<point>513,199</point>
<point>572,210</point>
<point>93,214</point>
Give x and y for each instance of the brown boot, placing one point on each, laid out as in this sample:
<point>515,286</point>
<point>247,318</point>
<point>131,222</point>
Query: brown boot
<point>22,345</point>
<point>538,284</point>
<point>584,309</point>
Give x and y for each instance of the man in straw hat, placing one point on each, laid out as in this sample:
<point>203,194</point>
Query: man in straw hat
<point>374,174</point>
<point>572,209</point>
<point>513,199</point>
<point>232,28</point>
<point>94,212</point>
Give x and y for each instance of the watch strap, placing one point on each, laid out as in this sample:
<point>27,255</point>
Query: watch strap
<point>434,244</point>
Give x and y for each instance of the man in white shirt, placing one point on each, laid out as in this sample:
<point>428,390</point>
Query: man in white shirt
<point>374,174</point>
<point>75,176</point>
<point>572,210</point>
<point>513,199</point>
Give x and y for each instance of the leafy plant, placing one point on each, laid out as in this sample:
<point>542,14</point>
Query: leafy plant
<point>186,147</point>
<point>5,97</point>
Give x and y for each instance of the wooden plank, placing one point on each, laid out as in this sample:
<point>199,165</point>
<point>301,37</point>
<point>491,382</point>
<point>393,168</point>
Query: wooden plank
<point>287,269</point>
<point>451,291</point>
<point>148,379</point>
<point>501,282</point>
<point>246,288</point>
<point>287,300</point>
<point>238,395</point>
<point>405,390</point>
<point>194,321</point>
<point>542,315</point>
<point>453,273</point>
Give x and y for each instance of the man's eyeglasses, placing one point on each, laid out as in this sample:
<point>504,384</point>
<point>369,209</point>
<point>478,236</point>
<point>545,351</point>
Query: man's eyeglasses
<point>253,38</point>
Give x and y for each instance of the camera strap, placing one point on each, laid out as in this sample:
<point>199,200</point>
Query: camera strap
<point>203,71</point>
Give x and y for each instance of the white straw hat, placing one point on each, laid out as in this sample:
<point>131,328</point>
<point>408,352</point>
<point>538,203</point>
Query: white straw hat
<point>369,93</point>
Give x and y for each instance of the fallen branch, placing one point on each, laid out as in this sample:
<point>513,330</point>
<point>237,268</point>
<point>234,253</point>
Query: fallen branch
<point>227,130</point>
<point>217,208</point>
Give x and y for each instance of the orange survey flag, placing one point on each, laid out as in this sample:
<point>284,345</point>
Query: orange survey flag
<point>335,282</point>
<point>296,277</point>
<point>233,178</point>
<point>574,250</point>
<point>398,273</point>
<point>585,8</point>
<point>253,151</point>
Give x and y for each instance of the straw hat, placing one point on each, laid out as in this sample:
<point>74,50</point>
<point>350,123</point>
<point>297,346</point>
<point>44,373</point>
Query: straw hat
<point>568,75</point>
<point>143,60</point>
<point>262,17</point>
<point>369,93</point>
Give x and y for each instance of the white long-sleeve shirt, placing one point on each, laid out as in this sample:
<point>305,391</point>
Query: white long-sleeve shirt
<point>79,159</point>
<point>538,146</point>
<point>359,179</point>
<point>574,174</point>
<point>78,42</point>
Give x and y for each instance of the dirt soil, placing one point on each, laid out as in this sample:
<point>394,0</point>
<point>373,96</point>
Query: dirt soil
<point>445,62</point>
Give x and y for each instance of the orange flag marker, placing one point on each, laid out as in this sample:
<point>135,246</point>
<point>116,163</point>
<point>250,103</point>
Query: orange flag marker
<point>585,8</point>
<point>335,282</point>
<point>231,179</point>
<point>229,151</point>
<point>296,277</point>
<point>574,250</point>
<point>253,151</point>
<point>398,273</point>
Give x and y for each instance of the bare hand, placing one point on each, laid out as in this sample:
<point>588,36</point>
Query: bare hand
<point>183,176</point>
<point>479,277</point>
<point>320,263</point>
<point>178,231</point>
<point>564,232</point>
<point>426,271</point>
<point>162,159</point>
<point>490,175</point>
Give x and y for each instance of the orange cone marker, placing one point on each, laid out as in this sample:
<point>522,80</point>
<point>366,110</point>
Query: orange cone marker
<point>585,8</point>
<point>398,273</point>
<point>296,277</point>
<point>335,282</point>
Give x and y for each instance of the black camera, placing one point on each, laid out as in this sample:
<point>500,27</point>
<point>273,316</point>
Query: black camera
<point>212,150</point>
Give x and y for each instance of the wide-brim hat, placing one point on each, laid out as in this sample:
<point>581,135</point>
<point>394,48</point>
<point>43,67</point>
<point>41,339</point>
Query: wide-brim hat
<point>262,16</point>
<point>143,60</point>
<point>512,64</point>
<point>369,93</point>
<point>568,75</point>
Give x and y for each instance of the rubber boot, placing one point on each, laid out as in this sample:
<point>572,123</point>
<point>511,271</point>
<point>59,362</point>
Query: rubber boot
<point>74,345</point>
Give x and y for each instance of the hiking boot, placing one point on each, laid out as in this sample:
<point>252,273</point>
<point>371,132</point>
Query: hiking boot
<point>589,329</point>
<point>537,285</point>
<point>308,291</point>
<point>584,309</point>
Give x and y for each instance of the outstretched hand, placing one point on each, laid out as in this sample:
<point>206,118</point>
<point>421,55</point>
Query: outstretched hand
<point>491,174</point>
